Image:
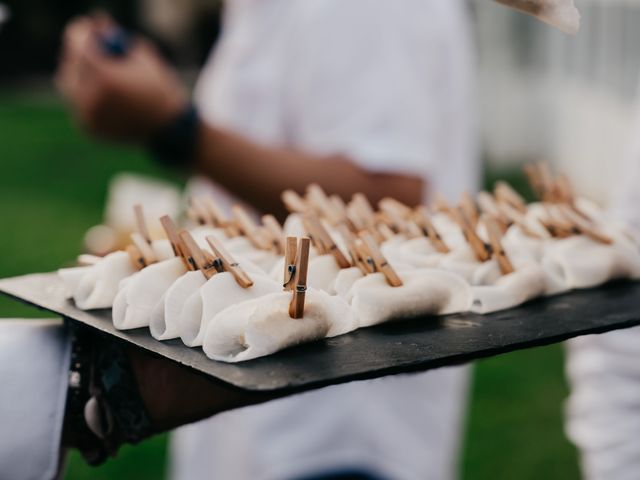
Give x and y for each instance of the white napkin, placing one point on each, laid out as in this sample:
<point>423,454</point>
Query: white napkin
<point>424,292</point>
<point>417,252</point>
<point>345,280</point>
<point>140,293</point>
<point>218,293</point>
<point>263,326</point>
<point>96,286</point>
<point>163,249</point>
<point>165,316</point>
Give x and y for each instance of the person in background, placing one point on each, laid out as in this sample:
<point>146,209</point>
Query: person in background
<point>371,96</point>
<point>602,412</point>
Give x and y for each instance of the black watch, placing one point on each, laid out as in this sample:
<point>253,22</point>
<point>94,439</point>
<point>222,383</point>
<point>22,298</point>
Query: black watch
<point>174,145</point>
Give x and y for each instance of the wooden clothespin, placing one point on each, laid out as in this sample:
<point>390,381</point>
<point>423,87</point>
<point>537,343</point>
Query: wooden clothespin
<point>350,241</point>
<point>583,226</point>
<point>228,263</point>
<point>145,250</point>
<point>174,238</point>
<point>479,248</point>
<point>322,238</point>
<point>136,258</point>
<point>218,217</point>
<point>391,204</point>
<point>441,204</point>
<point>250,229</point>
<point>535,182</point>
<point>294,202</point>
<point>379,262</point>
<point>423,219</point>
<point>556,223</point>
<point>489,206</point>
<point>200,213</point>
<point>196,257</point>
<point>381,232</point>
<point>341,208</point>
<point>469,208</point>
<point>503,192</point>
<point>296,307</point>
<point>321,203</point>
<point>275,231</point>
<point>495,240</point>
<point>517,218</point>
<point>290,255</point>
<point>364,208</point>
<point>141,223</point>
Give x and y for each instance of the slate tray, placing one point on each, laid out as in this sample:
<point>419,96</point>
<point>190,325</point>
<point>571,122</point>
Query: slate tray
<point>403,346</point>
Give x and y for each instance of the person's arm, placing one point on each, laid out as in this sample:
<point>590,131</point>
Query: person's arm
<point>129,98</point>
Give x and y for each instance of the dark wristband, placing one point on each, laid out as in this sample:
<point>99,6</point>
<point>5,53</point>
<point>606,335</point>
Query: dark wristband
<point>174,145</point>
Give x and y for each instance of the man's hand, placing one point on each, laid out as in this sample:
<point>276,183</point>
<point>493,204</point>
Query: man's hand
<point>124,98</point>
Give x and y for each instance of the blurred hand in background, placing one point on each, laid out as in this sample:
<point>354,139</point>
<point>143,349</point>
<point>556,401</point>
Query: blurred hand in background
<point>126,97</point>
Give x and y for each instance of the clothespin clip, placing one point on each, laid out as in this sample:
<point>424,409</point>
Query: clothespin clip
<point>199,213</point>
<point>489,206</point>
<point>294,202</point>
<point>423,219</point>
<point>322,238</point>
<point>477,245</point>
<point>296,307</point>
<point>137,260</point>
<point>546,182</point>
<point>196,257</point>
<point>228,262</point>
<point>535,182</point>
<point>584,226</point>
<point>495,240</point>
<point>290,255</point>
<point>145,250</point>
<point>141,223</point>
<point>364,208</point>
<point>317,197</point>
<point>350,241</point>
<point>441,204</point>
<point>470,209</point>
<point>250,229</point>
<point>218,217</point>
<point>179,250</point>
<point>556,223</point>
<point>503,192</point>
<point>517,218</point>
<point>274,229</point>
<point>378,261</point>
<point>398,215</point>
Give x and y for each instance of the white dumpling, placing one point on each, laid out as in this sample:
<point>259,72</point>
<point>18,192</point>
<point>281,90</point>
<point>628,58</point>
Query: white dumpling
<point>98,285</point>
<point>424,292</point>
<point>218,293</point>
<point>263,326</point>
<point>165,316</point>
<point>142,292</point>
<point>511,290</point>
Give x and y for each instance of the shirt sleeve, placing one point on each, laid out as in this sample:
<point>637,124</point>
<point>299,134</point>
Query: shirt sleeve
<point>34,361</point>
<point>381,82</point>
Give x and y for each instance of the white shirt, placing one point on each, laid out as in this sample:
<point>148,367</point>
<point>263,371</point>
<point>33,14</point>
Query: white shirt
<point>34,365</point>
<point>389,84</point>
<point>603,410</point>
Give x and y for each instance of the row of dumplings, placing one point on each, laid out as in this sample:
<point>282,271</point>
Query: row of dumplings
<point>242,290</point>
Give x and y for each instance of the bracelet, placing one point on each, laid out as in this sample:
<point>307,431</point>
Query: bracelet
<point>174,145</point>
<point>104,408</point>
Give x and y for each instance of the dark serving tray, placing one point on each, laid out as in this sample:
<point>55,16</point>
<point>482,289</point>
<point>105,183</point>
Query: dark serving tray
<point>397,347</point>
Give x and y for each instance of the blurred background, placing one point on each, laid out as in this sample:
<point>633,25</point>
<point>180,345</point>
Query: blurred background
<point>542,94</point>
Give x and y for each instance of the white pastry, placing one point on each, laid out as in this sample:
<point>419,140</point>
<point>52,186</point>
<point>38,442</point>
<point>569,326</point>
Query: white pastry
<point>165,317</point>
<point>508,291</point>
<point>139,295</point>
<point>218,293</point>
<point>424,292</point>
<point>580,262</point>
<point>263,326</point>
<point>96,286</point>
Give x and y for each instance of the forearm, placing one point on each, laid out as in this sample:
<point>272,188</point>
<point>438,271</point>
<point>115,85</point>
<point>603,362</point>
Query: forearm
<point>258,174</point>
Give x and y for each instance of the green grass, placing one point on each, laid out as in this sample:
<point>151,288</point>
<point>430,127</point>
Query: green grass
<point>52,187</point>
